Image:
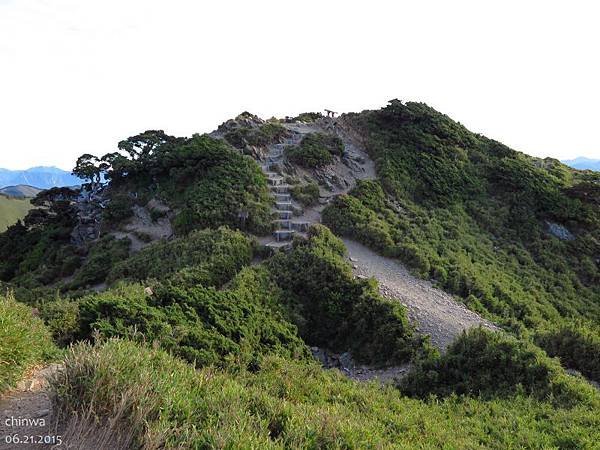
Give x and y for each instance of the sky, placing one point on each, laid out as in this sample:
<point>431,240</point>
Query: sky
<point>77,76</point>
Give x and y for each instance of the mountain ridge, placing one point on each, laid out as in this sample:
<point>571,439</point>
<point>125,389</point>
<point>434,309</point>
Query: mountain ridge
<point>583,163</point>
<point>20,191</point>
<point>41,177</point>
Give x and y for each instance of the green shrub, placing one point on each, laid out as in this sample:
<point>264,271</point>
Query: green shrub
<point>347,216</point>
<point>212,183</point>
<point>206,257</point>
<point>102,257</point>
<point>162,402</point>
<point>576,344</point>
<point>474,214</point>
<point>118,210</point>
<point>202,325</point>
<point>268,133</point>
<point>488,364</point>
<point>61,316</point>
<point>315,150</point>
<point>156,214</point>
<point>24,341</point>
<point>306,194</point>
<point>39,250</point>
<point>144,237</point>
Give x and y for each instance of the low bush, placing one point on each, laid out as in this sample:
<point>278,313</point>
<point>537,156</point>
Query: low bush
<point>268,133</point>
<point>490,364</point>
<point>118,210</point>
<point>24,341</point>
<point>202,325</point>
<point>61,316</point>
<point>211,184</point>
<point>347,216</point>
<point>206,257</point>
<point>576,344</point>
<point>38,251</point>
<point>307,117</point>
<point>306,194</point>
<point>102,256</point>
<point>315,150</point>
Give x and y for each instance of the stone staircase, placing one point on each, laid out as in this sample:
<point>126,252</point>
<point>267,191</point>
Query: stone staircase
<point>286,228</point>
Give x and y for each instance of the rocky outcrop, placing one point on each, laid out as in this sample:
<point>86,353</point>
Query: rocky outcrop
<point>560,232</point>
<point>346,364</point>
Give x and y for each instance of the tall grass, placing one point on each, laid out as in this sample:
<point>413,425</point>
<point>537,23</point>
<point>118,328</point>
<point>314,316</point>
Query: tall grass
<point>24,341</point>
<point>152,400</point>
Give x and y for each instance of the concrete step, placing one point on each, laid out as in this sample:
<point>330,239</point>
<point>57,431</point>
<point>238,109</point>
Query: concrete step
<point>282,245</point>
<point>283,206</point>
<point>300,226</point>
<point>276,181</point>
<point>285,215</point>
<point>281,188</point>
<point>283,197</point>
<point>285,224</point>
<point>283,235</point>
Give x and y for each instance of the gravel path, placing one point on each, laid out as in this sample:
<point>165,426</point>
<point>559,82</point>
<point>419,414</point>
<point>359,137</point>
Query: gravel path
<point>435,312</point>
<point>26,414</point>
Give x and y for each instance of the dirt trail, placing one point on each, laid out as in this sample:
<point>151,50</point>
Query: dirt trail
<point>26,414</point>
<point>435,312</point>
<point>28,421</point>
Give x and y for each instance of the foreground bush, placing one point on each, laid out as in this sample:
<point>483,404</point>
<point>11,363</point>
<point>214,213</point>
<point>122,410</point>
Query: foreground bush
<point>24,341</point>
<point>577,346</point>
<point>157,401</point>
<point>202,325</point>
<point>490,364</point>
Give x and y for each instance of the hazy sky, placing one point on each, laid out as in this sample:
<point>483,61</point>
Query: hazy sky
<point>79,75</point>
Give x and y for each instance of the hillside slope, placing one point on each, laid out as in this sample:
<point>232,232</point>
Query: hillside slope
<point>12,210</point>
<point>20,190</point>
<point>198,288</point>
<point>516,237</point>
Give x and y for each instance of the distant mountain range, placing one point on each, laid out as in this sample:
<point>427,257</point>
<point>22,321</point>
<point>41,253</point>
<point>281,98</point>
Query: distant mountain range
<point>583,163</point>
<point>39,177</point>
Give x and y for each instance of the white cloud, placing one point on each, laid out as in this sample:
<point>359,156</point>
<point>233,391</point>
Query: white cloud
<point>78,76</point>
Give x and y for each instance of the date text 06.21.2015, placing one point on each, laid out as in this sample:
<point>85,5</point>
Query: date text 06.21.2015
<point>31,439</point>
